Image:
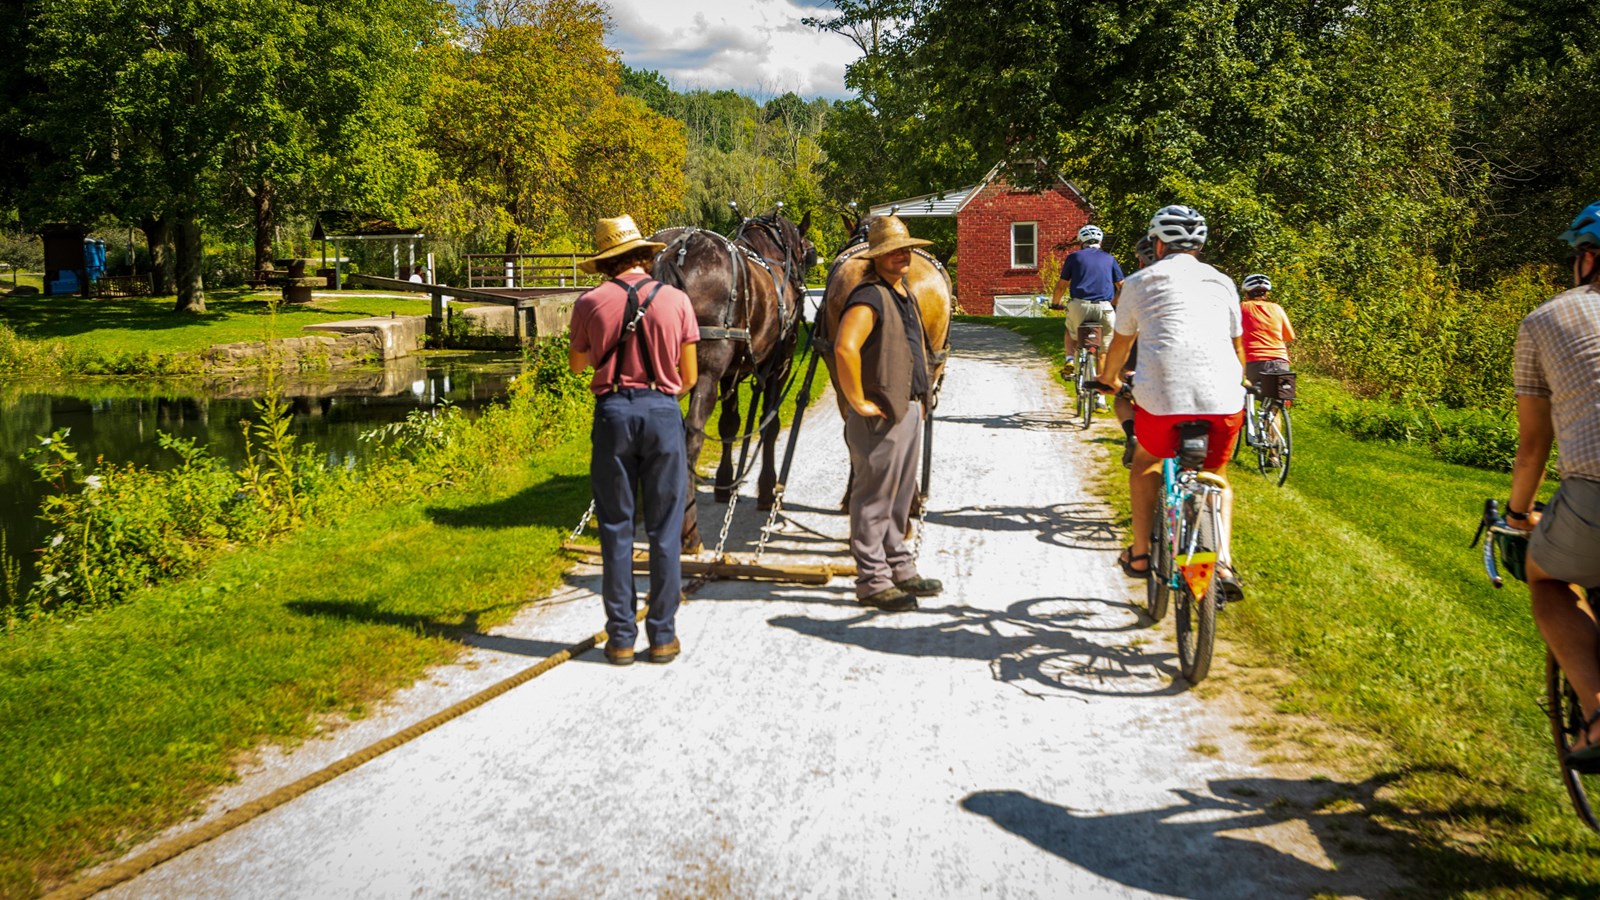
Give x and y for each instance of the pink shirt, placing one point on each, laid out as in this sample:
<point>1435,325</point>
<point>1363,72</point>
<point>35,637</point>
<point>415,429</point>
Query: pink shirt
<point>668,325</point>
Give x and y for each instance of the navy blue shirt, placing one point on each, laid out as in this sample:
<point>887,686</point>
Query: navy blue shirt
<point>1094,274</point>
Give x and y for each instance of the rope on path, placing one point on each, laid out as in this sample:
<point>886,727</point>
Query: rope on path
<point>233,818</point>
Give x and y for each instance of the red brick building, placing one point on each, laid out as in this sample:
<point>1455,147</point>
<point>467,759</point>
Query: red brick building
<point>1004,236</point>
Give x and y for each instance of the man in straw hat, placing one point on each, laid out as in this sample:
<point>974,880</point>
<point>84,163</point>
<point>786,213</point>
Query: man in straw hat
<point>881,357</point>
<point>639,336</point>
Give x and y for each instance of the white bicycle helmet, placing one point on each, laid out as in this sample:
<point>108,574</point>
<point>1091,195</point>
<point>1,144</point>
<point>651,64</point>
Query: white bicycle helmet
<point>1256,282</point>
<point>1179,227</point>
<point>1090,234</point>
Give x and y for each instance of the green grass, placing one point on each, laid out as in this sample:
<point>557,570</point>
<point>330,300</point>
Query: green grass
<point>148,324</point>
<point>120,723</point>
<point>1363,590</point>
<point>711,450</point>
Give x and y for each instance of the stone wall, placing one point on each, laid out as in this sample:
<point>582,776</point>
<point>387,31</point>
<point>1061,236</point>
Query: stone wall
<point>302,353</point>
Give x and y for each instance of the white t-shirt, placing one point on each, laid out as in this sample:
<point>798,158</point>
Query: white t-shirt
<point>1186,315</point>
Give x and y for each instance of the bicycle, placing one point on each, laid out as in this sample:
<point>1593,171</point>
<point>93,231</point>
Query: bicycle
<point>1267,428</point>
<point>1086,372</point>
<point>1183,551</point>
<point>1561,701</point>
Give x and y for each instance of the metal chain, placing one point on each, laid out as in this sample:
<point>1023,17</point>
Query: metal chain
<point>582,523</point>
<point>922,526</point>
<point>727,519</point>
<point>772,522</point>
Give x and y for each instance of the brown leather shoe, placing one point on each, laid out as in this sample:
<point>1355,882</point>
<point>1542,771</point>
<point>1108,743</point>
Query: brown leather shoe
<point>664,653</point>
<point>619,656</point>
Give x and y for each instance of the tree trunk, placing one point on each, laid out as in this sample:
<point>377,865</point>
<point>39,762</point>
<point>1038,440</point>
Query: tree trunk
<point>158,235</point>
<point>263,200</point>
<point>191,286</point>
<point>513,242</point>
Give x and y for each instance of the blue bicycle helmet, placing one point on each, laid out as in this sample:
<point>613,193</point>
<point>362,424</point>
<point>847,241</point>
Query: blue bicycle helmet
<point>1584,233</point>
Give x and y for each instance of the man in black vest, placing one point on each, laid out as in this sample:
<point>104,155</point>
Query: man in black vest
<point>881,358</point>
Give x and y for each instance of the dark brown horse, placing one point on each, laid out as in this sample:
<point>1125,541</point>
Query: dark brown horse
<point>747,293</point>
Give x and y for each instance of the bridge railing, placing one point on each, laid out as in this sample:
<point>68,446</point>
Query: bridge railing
<point>519,270</point>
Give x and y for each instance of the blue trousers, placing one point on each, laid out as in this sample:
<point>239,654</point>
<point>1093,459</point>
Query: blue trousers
<point>637,448</point>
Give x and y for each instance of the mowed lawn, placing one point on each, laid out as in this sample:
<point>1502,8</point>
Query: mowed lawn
<point>1406,672</point>
<point>148,324</point>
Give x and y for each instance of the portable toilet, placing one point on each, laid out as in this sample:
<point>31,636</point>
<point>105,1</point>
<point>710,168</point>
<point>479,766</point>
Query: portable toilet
<point>94,259</point>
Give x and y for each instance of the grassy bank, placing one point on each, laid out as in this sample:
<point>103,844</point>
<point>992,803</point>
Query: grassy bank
<point>1362,589</point>
<point>142,335</point>
<point>119,724</point>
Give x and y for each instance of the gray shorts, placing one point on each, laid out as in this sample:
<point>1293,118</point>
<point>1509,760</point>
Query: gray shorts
<point>1566,542</point>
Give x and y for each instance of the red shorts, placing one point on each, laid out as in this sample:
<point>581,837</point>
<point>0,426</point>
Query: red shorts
<point>1158,435</point>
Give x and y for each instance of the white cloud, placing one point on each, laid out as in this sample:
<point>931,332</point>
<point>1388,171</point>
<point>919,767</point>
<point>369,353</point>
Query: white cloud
<point>757,47</point>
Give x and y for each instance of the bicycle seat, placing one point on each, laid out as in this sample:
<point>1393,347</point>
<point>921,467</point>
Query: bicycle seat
<point>1212,478</point>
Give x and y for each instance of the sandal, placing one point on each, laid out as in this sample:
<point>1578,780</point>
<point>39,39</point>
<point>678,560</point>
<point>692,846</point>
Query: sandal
<point>1127,559</point>
<point>1591,750</point>
<point>1228,584</point>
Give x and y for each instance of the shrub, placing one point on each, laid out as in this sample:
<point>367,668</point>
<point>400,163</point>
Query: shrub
<point>1484,439</point>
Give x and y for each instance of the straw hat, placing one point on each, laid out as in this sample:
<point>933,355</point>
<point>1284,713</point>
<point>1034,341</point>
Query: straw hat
<point>614,237</point>
<point>887,234</point>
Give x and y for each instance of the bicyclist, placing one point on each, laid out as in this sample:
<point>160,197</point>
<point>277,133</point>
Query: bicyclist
<point>1123,406</point>
<point>1092,278</point>
<point>1185,315</point>
<point>1267,332</point>
<point>1557,378</point>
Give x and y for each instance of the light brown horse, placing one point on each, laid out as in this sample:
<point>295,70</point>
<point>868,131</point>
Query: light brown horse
<point>935,296</point>
<point>930,285</point>
<point>748,294</point>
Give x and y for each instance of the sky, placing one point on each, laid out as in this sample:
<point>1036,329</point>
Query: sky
<point>756,47</point>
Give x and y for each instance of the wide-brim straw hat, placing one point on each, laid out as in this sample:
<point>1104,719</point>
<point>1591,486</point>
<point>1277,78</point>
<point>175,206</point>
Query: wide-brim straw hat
<point>887,234</point>
<point>614,237</point>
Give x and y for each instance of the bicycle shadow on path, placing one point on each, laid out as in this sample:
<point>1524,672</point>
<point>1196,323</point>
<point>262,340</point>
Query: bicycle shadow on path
<point>1079,525</point>
<point>1265,836</point>
<point>1037,645</point>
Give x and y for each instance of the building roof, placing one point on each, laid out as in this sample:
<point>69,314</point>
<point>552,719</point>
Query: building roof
<point>941,204</point>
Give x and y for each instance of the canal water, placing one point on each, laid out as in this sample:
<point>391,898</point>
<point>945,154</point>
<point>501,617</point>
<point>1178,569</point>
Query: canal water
<point>119,420</point>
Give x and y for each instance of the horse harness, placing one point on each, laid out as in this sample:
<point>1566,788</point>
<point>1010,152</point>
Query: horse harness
<point>739,287</point>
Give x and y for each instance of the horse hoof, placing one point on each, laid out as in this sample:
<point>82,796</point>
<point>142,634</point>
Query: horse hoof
<point>721,496</point>
<point>690,548</point>
<point>764,505</point>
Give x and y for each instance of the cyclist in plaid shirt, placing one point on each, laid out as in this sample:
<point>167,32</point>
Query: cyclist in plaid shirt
<point>1557,377</point>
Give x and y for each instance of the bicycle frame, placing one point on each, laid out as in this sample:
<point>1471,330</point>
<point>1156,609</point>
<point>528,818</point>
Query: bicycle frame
<point>1192,563</point>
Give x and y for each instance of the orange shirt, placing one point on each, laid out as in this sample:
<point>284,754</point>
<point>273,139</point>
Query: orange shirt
<point>1267,331</point>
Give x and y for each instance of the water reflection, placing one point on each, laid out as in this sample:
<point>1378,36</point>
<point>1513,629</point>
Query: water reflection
<point>117,421</point>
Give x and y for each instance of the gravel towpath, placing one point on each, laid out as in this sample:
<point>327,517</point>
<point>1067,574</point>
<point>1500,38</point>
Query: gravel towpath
<point>1023,735</point>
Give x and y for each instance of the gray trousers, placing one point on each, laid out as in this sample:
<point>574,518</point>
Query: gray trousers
<point>884,458</point>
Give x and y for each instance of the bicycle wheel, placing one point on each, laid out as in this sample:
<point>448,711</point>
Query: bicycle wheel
<point>1158,589</point>
<point>1566,721</point>
<point>1196,617</point>
<point>1272,452</point>
<point>1086,399</point>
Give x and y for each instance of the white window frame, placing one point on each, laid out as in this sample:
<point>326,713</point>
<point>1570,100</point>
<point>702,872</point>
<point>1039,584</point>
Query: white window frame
<point>1034,246</point>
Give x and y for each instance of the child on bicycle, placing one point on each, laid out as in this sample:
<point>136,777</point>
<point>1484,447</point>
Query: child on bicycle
<point>1267,332</point>
<point>1557,380</point>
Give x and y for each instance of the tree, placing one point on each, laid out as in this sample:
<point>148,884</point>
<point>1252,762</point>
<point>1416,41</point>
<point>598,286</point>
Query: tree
<point>526,118</point>
<point>154,110</point>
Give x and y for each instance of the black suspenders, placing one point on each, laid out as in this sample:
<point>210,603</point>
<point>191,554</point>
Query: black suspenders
<point>632,318</point>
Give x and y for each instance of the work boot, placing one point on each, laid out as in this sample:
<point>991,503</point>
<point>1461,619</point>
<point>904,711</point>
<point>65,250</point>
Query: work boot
<point>664,653</point>
<point>920,587</point>
<point>890,599</point>
<point>619,655</point>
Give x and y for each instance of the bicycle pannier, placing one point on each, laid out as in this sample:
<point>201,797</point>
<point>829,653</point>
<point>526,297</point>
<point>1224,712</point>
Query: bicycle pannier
<point>1277,386</point>
<point>1194,440</point>
<point>1089,336</point>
